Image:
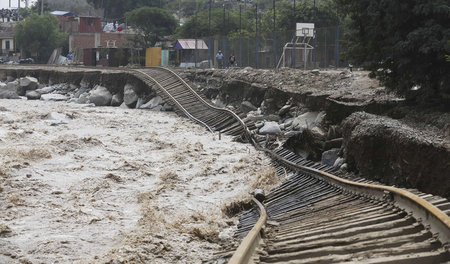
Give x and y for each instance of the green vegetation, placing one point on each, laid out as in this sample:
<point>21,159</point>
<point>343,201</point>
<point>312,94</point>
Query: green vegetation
<point>403,43</point>
<point>153,23</point>
<point>39,35</point>
<point>116,9</point>
<point>225,22</point>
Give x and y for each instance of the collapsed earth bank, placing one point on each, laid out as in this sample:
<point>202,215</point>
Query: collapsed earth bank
<point>383,138</point>
<point>341,118</point>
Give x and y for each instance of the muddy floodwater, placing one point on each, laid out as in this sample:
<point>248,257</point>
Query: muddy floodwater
<point>81,184</point>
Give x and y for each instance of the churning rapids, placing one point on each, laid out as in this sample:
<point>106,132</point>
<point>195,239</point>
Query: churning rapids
<point>82,184</point>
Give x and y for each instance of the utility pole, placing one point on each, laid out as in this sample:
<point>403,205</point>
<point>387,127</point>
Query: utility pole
<point>209,34</point>
<point>195,26</point>
<point>314,50</point>
<point>18,9</point>
<point>256,34</point>
<point>179,12</point>
<point>42,7</point>
<point>240,34</point>
<point>224,33</point>
<point>274,38</point>
<point>294,40</point>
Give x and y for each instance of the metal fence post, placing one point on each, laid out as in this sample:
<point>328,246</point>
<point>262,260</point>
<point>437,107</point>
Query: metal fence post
<point>256,34</point>
<point>274,37</point>
<point>240,35</point>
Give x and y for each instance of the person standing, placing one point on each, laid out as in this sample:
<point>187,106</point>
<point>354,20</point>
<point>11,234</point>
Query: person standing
<point>231,60</point>
<point>69,58</point>
<point>219,57</point>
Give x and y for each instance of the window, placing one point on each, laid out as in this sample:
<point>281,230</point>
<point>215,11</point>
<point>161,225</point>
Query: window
<point>7,45</point>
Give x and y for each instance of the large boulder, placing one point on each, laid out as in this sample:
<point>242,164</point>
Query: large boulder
<point>83,98</point>
<point>33,95</point>
<point>100,96</point>
<point>130,97</point>
<point>27,83</point>
<point>80,91</point>
<point>330,156</point>
<point>54,97</point>
<point>246,107</point>
<point>45,90</point>
<point>166,107</point>
<point>154,102</point>
<point>9,91</point>
<point>270,128</point>
<point>157,108</point>
<point>284,110</point>
<point>139,102</point>
<point>308,120</point>
<point>117,99</point>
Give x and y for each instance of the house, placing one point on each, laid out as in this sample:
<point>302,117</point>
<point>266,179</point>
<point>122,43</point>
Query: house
<point>67,21</point>
<point>97,47</point>
<point>88,41</point>
<point>191,51</point>
<point>7,42</point>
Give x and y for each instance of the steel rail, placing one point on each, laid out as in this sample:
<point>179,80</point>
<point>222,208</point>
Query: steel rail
<point>244,126</point>
<point>245,250</point>
<point>438,221</point>
<point>421,208</point>
<point>176,101</point>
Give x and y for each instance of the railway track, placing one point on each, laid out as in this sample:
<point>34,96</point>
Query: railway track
<point>312,220</point>
<point>189,103</point>
<point>315,217</point>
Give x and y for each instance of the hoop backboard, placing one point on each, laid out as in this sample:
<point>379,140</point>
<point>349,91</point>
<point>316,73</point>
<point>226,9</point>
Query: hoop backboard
<point>304,30</point>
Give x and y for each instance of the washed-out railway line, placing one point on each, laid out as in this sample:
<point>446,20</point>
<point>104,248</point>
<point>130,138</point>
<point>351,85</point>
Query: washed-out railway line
<point>314,216</point>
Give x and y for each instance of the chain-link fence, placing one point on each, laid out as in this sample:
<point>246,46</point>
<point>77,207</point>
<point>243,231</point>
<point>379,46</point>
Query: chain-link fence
<point>322,51</point>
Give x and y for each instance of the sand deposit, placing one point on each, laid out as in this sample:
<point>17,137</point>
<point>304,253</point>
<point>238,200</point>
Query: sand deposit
<point>82,184</point>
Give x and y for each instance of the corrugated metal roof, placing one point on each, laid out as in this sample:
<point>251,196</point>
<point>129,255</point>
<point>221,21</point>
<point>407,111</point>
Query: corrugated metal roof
<point>6,35</point>
<point>190,44</point>
<point>62,13</point>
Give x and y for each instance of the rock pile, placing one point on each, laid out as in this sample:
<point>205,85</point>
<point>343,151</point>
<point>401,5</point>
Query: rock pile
<point>297,127</point>
<point>30,88</point>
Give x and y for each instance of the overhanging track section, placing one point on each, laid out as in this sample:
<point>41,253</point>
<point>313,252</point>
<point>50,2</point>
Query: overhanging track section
<point>311,220</point>
<point>186,101</point>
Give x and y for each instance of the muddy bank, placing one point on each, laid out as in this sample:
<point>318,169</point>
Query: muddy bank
<point>390,142</point>
<point>338,93</point>
<point>114,80</point>
<point>303,110</point>
<point>394,153</point>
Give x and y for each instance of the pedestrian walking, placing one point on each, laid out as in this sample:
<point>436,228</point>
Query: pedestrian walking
<point>231,60</point>
<point>219,57</point>
<point>69,58</point>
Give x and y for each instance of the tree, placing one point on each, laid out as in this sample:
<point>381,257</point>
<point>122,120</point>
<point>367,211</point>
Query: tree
<point>39,35</point>
<point>402,42</point>
<point>152,23</point>
<point>116,9</point>
<point>198,25</point>
<point>323,15</point>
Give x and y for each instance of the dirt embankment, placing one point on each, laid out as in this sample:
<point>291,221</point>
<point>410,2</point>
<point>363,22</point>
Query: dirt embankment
<point>114,80</point>
<point>339,93</point>
<point>395,144</point>
<point>392,152</point>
